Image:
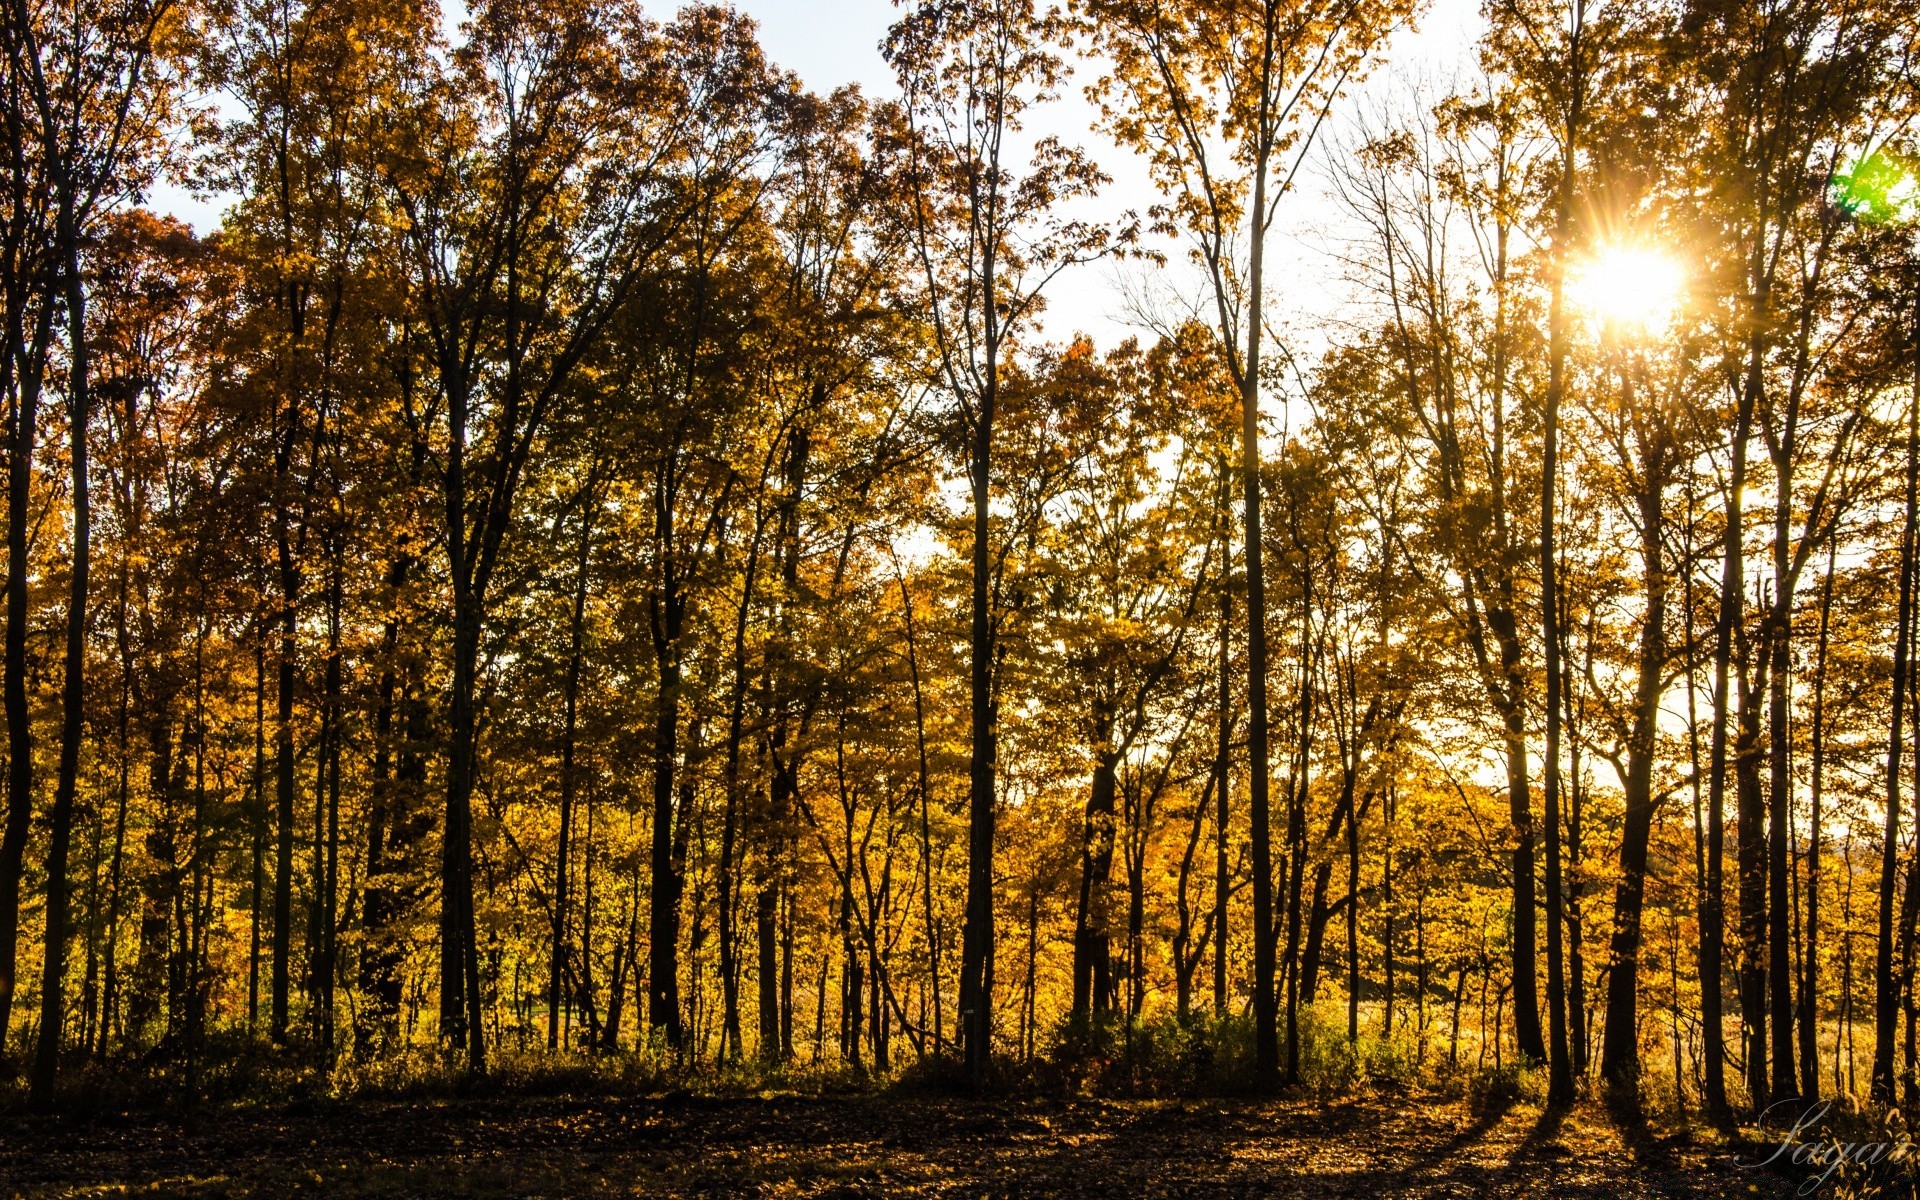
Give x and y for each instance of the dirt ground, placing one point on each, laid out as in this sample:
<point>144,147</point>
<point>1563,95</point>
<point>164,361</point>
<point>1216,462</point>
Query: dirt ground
<point>866,1146</point>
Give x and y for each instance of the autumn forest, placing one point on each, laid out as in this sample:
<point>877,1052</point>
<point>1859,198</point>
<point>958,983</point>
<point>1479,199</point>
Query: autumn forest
<point>603,558</point>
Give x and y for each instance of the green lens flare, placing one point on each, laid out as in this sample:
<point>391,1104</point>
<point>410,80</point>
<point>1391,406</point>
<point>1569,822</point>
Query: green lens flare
<point>1877,189</point>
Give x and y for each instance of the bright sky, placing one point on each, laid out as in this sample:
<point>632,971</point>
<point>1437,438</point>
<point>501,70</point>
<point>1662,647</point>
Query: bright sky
<point>829,43</point>
<point>833,42</point>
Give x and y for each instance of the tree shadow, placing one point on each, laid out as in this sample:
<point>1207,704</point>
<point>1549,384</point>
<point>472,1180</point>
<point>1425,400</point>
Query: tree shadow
<point>1371,1148</point>
<point>1627,1113</point>
<point>1545,1131</point>
<point>1487,1116</point>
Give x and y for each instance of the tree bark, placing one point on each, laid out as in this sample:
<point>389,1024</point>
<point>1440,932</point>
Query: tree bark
<point>1752,814</point>
<point>46,1063</point>
<point>1886,1006</point>
<point>569,736</point>
<point>1092,935</point>
<point>1713,904</point>
<point>976,950</point>
<point>1620,1056</point>
<point>666,612</point>
<point>25,361</point>
<point>1266,1034</point>
<point>1810,978</point>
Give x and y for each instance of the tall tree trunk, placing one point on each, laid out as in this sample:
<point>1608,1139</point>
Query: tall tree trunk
<point>1299,781</point>
<point>663,923</point>
<point>1186,959</point>
<point>1752,814</point>
<point>923,788</point>
<point>379,961</point>
<point>729,869</point>
<point>1886,1007</point>
<point>1318,916</point>
<point>1713,904</point>
<point>283,785</point>
<point>1778,634</point>
<point>1810,979</point>
<point>775,898</point>
<point>1526,1012</point>
<point>1576,796</point>
<point>1388,913</point>
<point>1266,1033</point>
<point>1223,769</point>
<point>772,1007</point>
<point>976,950</point>
<point>46,1064</point>
<point>1559,1063</point>
<point>1092,932</point>
<point>1620,1057</point>
<point>256,819</point>
<point>22,436</point>
<point>1353,927</point>
<point>569,736</point>
<point>460,999</point>
<point>327,971</point>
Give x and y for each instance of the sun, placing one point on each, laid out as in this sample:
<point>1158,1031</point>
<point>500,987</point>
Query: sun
<point>1628,287</point>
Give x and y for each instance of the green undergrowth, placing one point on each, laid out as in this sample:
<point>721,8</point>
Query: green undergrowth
<point>1104,1057</point>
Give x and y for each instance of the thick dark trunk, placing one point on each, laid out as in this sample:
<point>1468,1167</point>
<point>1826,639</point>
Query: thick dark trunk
<point>1817,735</point>
<point>1296,880</point>
<point>1526,1009</point>
<point>46,1063</point>
<point>1559,1065</point>
<point>1388,913</point>
<point>1886,992</point>
<point>1577,1036</point>
<point>976,950</point>
<point>23,428</point>
<point>1092,933</point>
<point>1779,632</point>
<point>1316,933</point>
<point>729,869</point>
<point>1353,927</point>
<point>325,954</point>
<point>1752,854</point>
<point>1526,1013</point>
<point>460,1024</point>
<point>257,818</point>
<point>1713,904</point>
<point>460,996</point>
<point>569,736</point>
<point>283,790</point>
<point>663,915</point>
<point>1266,1029</point>
<point>1136,929</point>
<point>682,838</point>
<point>1298,786</point>
<point>1223,769</point>
<point>379,963</point>
<point>1620,1057</point>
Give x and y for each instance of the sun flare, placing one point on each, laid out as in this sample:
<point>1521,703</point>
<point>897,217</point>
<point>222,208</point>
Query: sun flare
<point>1628,287</point>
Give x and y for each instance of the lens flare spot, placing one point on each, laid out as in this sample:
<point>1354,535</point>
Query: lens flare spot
<point>1877,189</point>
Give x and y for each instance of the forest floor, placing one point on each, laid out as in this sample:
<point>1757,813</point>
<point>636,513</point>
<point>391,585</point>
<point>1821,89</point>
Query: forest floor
<point>1369,1146</point>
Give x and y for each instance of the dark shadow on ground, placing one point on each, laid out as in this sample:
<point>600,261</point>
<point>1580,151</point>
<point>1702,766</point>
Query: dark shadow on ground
<point>1365,1147</point>
<point>1649,1146</point>
<point>1543,1138</point>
